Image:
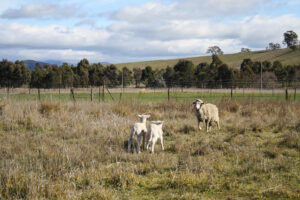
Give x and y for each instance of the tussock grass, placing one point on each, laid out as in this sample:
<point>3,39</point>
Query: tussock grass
<point>78,151</point>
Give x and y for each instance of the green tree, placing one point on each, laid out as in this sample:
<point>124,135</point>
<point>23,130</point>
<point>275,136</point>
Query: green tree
<point>224,75</point>
<point>137,75</point>
<point>127,76</point>
<point>279,71</point>
<point>290,39</point>
<point>159,81</point>
<point>6,73</point>
<point>148,76</point>
<point>96,74</point>
<point>83,72</point>
<point>202,74</point>
<point>111,73</point>
<point>37,77</point>
<point>246,72</point>
<point>169,76</point>
<point>67,75</point>
<point>184,73</point>
<point>267,66</point>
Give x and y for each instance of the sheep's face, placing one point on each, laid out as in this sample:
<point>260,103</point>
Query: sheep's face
<point>143,117</point>
<point>197,104</point>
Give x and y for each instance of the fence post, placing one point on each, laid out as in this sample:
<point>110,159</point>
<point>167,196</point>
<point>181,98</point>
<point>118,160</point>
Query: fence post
<point>91,93</point>
<point>39,94</point>
<point>103,91</point>
<point>59,92</point>
<point>231,92</point>
<point>286,94</point>
<point>99,94</point>
<point>295,93</point>
<point>72,94</point>
<point>7,92</point>
<point>168,93</point>
<point>110,93</point>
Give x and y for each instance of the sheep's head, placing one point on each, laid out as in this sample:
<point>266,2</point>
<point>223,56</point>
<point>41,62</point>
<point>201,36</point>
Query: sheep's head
<point>143,117</point>
<point>197,104</point>
<point>157,122</point>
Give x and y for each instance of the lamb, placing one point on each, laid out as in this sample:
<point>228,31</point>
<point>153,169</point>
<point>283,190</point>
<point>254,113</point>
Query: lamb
<point>139,129</point>
<point>154,133</point>
<point>207,113</point>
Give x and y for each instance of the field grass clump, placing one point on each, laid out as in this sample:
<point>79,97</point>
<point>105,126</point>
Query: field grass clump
<point>47,108</point>
<point>79,151</point>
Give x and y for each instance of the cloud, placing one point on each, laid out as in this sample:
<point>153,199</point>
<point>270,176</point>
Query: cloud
<point>86,22</point>
<point>186,9</point>
<point>153,30</point>
<point>41,10</point>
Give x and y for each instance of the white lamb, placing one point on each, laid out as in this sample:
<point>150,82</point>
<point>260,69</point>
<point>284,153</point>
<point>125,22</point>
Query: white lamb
<point>139,129</point>
<point>207,113</point>
<point>154,133</point>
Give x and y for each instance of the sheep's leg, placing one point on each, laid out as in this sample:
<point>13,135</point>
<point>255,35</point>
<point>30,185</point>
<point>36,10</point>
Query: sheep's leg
<point>149,141</point>
<point>138,143</point>
<point>218,123</point>
<point>153,144</point>
<point>162,143</point>
<point>207,126</point>
<point>129,143</point>
<point>144,139</point>
<point>199,125</point>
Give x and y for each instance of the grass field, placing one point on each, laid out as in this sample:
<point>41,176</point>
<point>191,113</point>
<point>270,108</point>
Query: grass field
<point>153,96</point>
<point>65,150</point>
<point>285,56</point>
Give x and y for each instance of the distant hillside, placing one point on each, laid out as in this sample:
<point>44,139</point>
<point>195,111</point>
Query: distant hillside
<point>285,56</point>
<point>31,63</point>
<point>54,62</point>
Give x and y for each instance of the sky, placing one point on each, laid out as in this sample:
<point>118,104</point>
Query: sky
<point>118,31</point>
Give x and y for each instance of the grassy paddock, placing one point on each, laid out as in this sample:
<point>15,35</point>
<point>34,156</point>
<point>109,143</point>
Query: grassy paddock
<point>152,96</point>
<point>65,150</point>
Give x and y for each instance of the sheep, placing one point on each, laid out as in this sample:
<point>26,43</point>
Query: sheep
<point>139,129</point>
<point>154,133</point>
<point>207,113</point>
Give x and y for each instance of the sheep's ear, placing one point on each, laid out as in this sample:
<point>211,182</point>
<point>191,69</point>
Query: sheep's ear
<point>140,116</point>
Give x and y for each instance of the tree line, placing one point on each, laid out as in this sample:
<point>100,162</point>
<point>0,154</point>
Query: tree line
<point>216,74</point>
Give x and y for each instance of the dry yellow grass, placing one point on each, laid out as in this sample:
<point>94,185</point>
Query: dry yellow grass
<point>78,151</point>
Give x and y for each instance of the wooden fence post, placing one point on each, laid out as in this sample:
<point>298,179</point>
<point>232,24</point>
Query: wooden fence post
<point>286,94</point>
<point>39,94</point>
<point>91,94</point>
<point>72,94</point>
<point>103,92</point>
<point>168,93</point>
<point>99,94</point>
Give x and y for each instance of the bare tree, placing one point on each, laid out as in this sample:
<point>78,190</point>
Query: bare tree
<point>245,50</point>
<point>214,50</point>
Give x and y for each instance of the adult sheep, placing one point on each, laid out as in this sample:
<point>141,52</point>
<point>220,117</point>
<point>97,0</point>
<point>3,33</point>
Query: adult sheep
<point>207,113</point>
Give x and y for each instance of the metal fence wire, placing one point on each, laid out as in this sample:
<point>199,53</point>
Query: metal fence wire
<point>186,90</point>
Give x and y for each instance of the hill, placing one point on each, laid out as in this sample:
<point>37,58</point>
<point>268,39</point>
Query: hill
<point>32,63</point>
<point>285,56</point>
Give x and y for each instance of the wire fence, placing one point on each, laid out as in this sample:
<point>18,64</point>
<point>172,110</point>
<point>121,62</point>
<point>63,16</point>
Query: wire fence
<point>104,93</point>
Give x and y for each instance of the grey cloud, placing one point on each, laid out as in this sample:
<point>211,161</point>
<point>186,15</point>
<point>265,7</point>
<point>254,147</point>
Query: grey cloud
<point>41,10</point>
<point>86,22</point>
<point>186,9</point>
